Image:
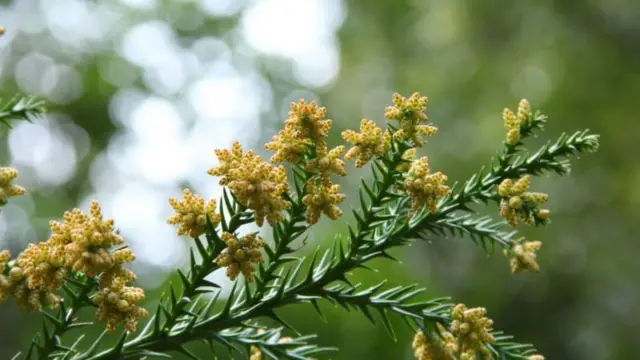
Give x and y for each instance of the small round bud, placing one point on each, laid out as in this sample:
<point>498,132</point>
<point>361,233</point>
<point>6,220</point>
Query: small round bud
<point>543,214</point>
<point>515,202</point>
<point>15,273</point>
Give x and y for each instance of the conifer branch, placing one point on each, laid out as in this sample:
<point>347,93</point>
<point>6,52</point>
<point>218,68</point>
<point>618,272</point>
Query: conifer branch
<point>291,228</point>
<point>402,301</point>
<point>21,107</point>
<point>483,231</point>
<point>549,158</point>
<point>171,312</point>
<point>405,202</point>
<point>270,343</point>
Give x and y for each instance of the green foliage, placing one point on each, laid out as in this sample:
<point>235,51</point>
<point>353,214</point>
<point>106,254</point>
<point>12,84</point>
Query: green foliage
<point>21,107</point>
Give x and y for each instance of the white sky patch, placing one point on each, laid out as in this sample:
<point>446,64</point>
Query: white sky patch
<point>140,4</point>
<point>46,150</point>
<point>75,22</point>
<point>302,30</point>
<point>322,70</point>
<point>221,8</point>
<point>223,97</point>
<point>30,70</point>
<point>157,150</point>
<point>147,44</point>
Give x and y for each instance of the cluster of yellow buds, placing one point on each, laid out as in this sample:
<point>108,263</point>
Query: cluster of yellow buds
<point>85,241</point>
<point>517,203</point>
<point>289,145</point>
<point>7,189</point>
<point>514,123</point>
<point>471,328</point>
<point>42,265</point>
<point>322,199</point>
<point>423,187</point>
<point>322,196</point>
<point>469,335</point>
<point>409,112</point>
<point>192,214</point>
<point>240,255</point>
<point>12,282</point>
<point>304,137</point>
<point>256,184</point>
<point>369,142</point>
<point>5,255</point>
<point>304,129</point>
<point>81,243</point>
<point>329,162</point>
<point>117,302</point>
<point>523,256</point>
<point>440,346</point>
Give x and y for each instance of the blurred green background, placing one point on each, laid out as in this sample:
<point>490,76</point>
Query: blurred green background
<point>142,91</point>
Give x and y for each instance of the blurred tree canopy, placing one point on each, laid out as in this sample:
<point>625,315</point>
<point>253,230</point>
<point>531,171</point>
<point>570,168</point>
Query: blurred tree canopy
<point>142,91</point>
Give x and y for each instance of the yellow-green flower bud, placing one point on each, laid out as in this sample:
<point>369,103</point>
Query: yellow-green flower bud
<point>543,214</point>
<point>515,202</point>
<point>513,136</point>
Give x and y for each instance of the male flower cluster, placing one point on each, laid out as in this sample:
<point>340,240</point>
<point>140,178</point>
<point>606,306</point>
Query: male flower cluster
<point>12,283</point>
<point>440,346</point>
<point>117,302</point>
<point>240,255</point>
<point>423,187</point>
<point>471,329</point>
<point>305,127</point>
<point>369,142</point>
<point>192,214</point>
<point>86,242</point>
<point>523,256</point>
<point>322,199</point>
<point>514,123</point>
<point>42,265</point>
<point>7,189</point>
<point>304,137</point>
<point>327,162</point>
<point>81,243</point>
<point>256,184</point>
<point>517,203</point>
<point>409,112</point>
<point>469,334</point>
